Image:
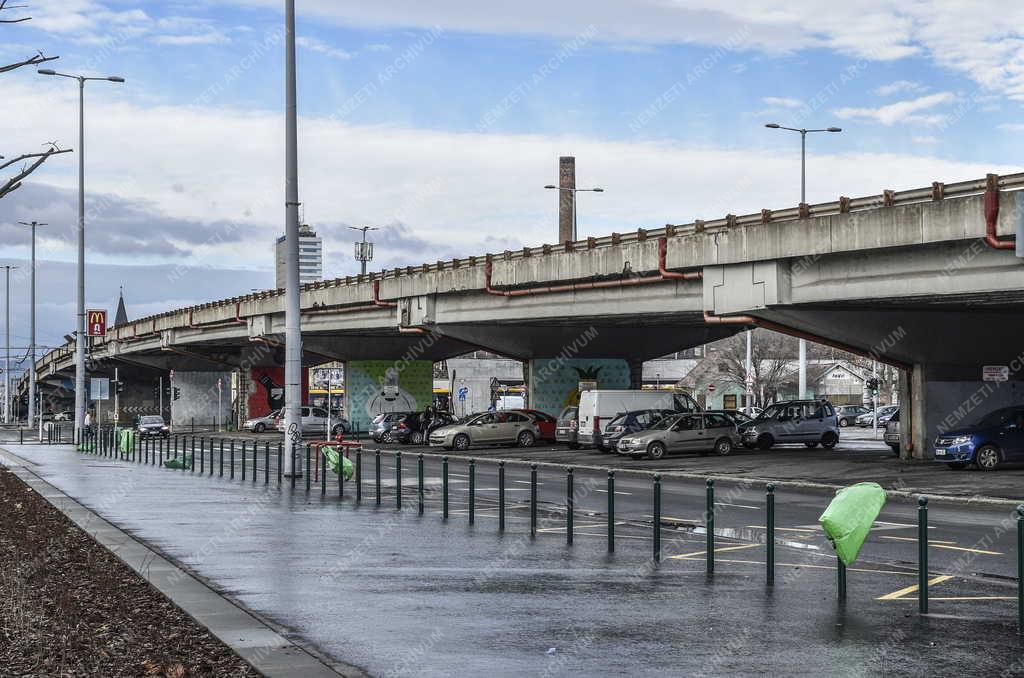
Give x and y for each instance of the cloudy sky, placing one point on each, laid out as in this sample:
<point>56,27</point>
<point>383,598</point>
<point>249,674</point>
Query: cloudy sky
<point>441,122</point>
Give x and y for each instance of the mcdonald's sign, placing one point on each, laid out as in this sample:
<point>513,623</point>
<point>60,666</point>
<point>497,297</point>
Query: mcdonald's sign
<point>96,322</point>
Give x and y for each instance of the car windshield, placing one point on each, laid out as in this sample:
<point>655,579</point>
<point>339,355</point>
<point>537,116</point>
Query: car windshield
<point>620,420</point>
<point>738,416</point>
<point>997,418</point>
<point>665,423</point>
<point>771,412</point>
<point>151,420</point>
<point>567,415</point>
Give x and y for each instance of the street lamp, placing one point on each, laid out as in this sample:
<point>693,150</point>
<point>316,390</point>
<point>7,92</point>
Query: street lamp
<point>80,297</point>
<point>803,199</point>
<point>364,250</point>
<point>32,325</point>
<point>7,348</point>
<point>574,191</point>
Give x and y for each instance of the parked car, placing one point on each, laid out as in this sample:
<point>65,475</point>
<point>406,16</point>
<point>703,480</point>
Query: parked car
<point>848,414</point>
<point>865,419</point>
<point>751,411</point>
<point>703,433</point>
<point>546,424</point>
<point>567,427</point>
<point>811,422</point>
<point>892,433</point>
<point>738,416</point>
<point>152,426</point>
<point>408,429</point>
<point>261,424</point>
<point>313,420</point>
<point>488,428</point>
<point>599,406</point>
<point>66,415</point>
<point>380,427</point>
<point>629,423</point>
<point>996,438</point>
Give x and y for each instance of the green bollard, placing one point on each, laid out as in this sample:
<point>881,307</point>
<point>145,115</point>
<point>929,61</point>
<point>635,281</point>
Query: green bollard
<point>657,517</point>
<point>1020,570</point>
<point>192,461</point>
<point>769,534</point>
<point>323,478</point>
<point>244,458</point>
<point>359,476</point>
<point>398,480</point>
<point>419,483</point>
<point>341,475</point>
<point>533,501</point>
<point>444,488</point>
<point>280,461</point>
<point>266,463</point>
<point>255,460</point>
<point>569,505</point>
<point>922,554</point>
<point>307,473</point>
<point>221,457</point>
<point>202,456</point>
<point>841,579</point>
<point>709,525</point>
<point>293,464</point>
<point>501,496</point>
<point>611,511</point>
<point>472,491</point>
<point>377,461</point>
<point>232,460</point>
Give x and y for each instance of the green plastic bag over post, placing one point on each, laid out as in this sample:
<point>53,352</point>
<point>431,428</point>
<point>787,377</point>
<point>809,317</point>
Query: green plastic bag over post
<point>183,462</point>
<point>332,456</point>
<point>125,440</point>
<point>849,518</point>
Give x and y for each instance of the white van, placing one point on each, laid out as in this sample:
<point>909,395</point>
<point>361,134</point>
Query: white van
<point>599,406</point>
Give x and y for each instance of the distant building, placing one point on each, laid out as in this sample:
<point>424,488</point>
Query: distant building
<point>311,257</point>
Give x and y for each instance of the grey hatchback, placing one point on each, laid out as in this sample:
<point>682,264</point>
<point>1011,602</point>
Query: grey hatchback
<point>703,433</point>
<point>811,422</point>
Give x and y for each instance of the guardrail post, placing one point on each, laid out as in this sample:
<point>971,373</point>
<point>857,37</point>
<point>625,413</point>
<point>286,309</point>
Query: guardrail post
<point>341,473</point>
<point>611,511</point>
<point>419,483</point>
<point>769,534</point>
<point>323,476</point>
<point>221,457</point>
<point>398,480</point>
<point>922,554</point>
<point>472,491</point>
<point>245,445</point>
<point>377,469</point>
<point>192,461</point>
<point>280,461</point>
<point>307,469</point>
<point>709,524</point>
<point>569,505</point>
<point>266,463</point>
<point>232,460</point>
<point>359,476</point>
<point>501,496</point>
<point>444,488</point>
<point>1020,570</point>
<point>533,501</point>
<point>202,456</point>
<point>293,463</point>
<point>657,517</point>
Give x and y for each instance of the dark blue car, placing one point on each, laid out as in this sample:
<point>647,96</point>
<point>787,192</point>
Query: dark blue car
<point>996,438</point>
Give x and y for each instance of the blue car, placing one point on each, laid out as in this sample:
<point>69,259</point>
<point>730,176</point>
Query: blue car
<point>996,438</point>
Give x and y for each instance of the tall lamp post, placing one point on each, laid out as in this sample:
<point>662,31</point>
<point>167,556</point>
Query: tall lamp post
<point>364,250</point>
<point>574,191</point>
<point>80,294</point>
<point>7,347</point>
<point>32,325</point>
<point>803,199</point>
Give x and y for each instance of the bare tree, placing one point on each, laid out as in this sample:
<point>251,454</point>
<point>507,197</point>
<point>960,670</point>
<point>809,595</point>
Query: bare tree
<point>32,161</point>
<point>771,360</point>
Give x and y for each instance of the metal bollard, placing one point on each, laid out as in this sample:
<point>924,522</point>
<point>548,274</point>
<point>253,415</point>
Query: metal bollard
<point>769,534</point>
<point>922,554</point>
<point>709,525</point>
<point>840,579</point>
<point>1020,570</point>
<point>377,459</point>
<point>359,476</point>
<point>341,475</point>
<point>244,458</point>
<point>293,464</point>
<point>611,511</point>
<point>657,517</point>
<point>202,456</point>
<point>307,473</point>
<point>501,496</point>
<point>192,461</point>
<point>472,491</point>
<point>444,488</point>
<point>255,460</point>
<point>398,480</point>
<point>569,505</point>
<point>280,459</point>
<point>323,476</point>
<point>266,463</point>
<point>533,500</point>
<point>232,460</point>
<point>419,483</point>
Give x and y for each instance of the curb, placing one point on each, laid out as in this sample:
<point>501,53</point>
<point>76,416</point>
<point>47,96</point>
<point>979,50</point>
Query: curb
<point>255,641</point>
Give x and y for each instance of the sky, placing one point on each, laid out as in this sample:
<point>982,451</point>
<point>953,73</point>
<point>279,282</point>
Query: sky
<point>440,122</point>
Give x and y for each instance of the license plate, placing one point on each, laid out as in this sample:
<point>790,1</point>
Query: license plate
<point>940,453</point>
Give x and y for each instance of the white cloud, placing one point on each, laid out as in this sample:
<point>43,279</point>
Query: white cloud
<point>317,45</point>
<point>782,102</point>
<point>901,87</point>
<point>901,111</point>
<point>1012,126</point>
<point>925,139</point>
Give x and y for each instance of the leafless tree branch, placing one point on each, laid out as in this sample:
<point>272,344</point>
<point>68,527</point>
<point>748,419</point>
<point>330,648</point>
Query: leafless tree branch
<point>3,6</point>
<point>15,182</point>
<point>38,58</point>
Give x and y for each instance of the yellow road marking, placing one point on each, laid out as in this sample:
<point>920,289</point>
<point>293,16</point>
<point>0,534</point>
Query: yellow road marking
<point>910,589</point>
<point>914,539</point>
<point>816,567</point>
<point>961,548</point>
<point>954,598</point>
<point>562,529</point>
<point>724,548</point>
<point>782,529</point>
<point>670,519</point>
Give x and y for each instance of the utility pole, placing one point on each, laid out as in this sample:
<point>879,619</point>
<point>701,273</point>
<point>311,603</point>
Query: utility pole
<point>160,386</point>
<point>292,318</point>
<point>748,378</point>
<point>32,325</point>
<point>364,250</point>
<point>7,347</point>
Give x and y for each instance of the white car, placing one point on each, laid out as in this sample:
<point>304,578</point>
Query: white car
<point>314,421</point>
<point>261,424</point>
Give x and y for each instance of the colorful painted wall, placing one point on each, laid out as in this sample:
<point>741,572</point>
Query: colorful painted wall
<point>266,390</point>
<point>554,383</point>
<point>373,387</point>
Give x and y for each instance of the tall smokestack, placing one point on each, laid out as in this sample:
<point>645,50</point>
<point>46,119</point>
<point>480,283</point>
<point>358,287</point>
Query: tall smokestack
<point>566,199</point>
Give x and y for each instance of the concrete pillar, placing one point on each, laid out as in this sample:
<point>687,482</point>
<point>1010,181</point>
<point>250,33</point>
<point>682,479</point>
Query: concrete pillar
<point>198,401</point>
<point>373,387</point>
<point>554,383</point>
<point>636,374</point>
<point>566,198</point>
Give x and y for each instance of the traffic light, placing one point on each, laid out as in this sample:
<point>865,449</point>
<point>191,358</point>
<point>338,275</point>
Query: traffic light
<point>872,385</point>
<point>119,386</point>
<point>175,393</point>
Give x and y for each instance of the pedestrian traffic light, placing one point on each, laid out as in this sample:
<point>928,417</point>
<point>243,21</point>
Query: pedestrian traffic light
<point>175,393</point>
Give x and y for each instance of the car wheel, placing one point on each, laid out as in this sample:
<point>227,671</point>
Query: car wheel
<point>655,451</point>
<point>416,438</point>
<point>844,422</point>
<point>526,439</point>
<point>337,430</point>
<point>957,466</point>
<point>461,442</point>
<point>829,440</point>
<point>987,458</point>
<point>386,437</point>
<point>765,441</point>
<point>811,446</point>
<point>574,446</point>
<point>895,449</point>
<point>260,427</point>
<point>723,447</point>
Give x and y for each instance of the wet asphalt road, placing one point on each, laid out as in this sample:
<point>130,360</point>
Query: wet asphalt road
<point>401,594</point>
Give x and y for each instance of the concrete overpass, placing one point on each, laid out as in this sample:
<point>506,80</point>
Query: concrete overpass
<point>924,279</point>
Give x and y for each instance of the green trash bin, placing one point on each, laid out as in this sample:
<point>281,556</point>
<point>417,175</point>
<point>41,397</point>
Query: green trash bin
<point>332,455</point>
<point>849,518</point>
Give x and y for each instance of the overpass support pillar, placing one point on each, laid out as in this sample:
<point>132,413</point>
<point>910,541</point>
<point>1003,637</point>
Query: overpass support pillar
<point>636,374</point>
<point>555,383</point>
<point>375,387</point>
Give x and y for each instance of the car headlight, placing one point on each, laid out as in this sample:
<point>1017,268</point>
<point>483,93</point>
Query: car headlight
<point>960,440</point>
<point>752,430</point>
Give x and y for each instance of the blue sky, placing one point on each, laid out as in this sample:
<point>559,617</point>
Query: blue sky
<point>441,121</point>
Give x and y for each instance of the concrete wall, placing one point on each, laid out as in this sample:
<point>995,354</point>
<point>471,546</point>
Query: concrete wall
<point>553,384</point>
<point>475,375</point>
<point>376,386</point>
<point>198,399</point>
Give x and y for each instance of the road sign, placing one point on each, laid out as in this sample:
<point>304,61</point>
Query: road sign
<point>99,388</point>
<point>96,322</point>
<point>995,373</point>
<point>711,388</point>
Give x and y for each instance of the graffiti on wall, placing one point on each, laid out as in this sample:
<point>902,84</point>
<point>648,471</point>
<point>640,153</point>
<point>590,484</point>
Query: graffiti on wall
<point>377,386</point>
<point>266,390</point>
<point>555,383</point>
